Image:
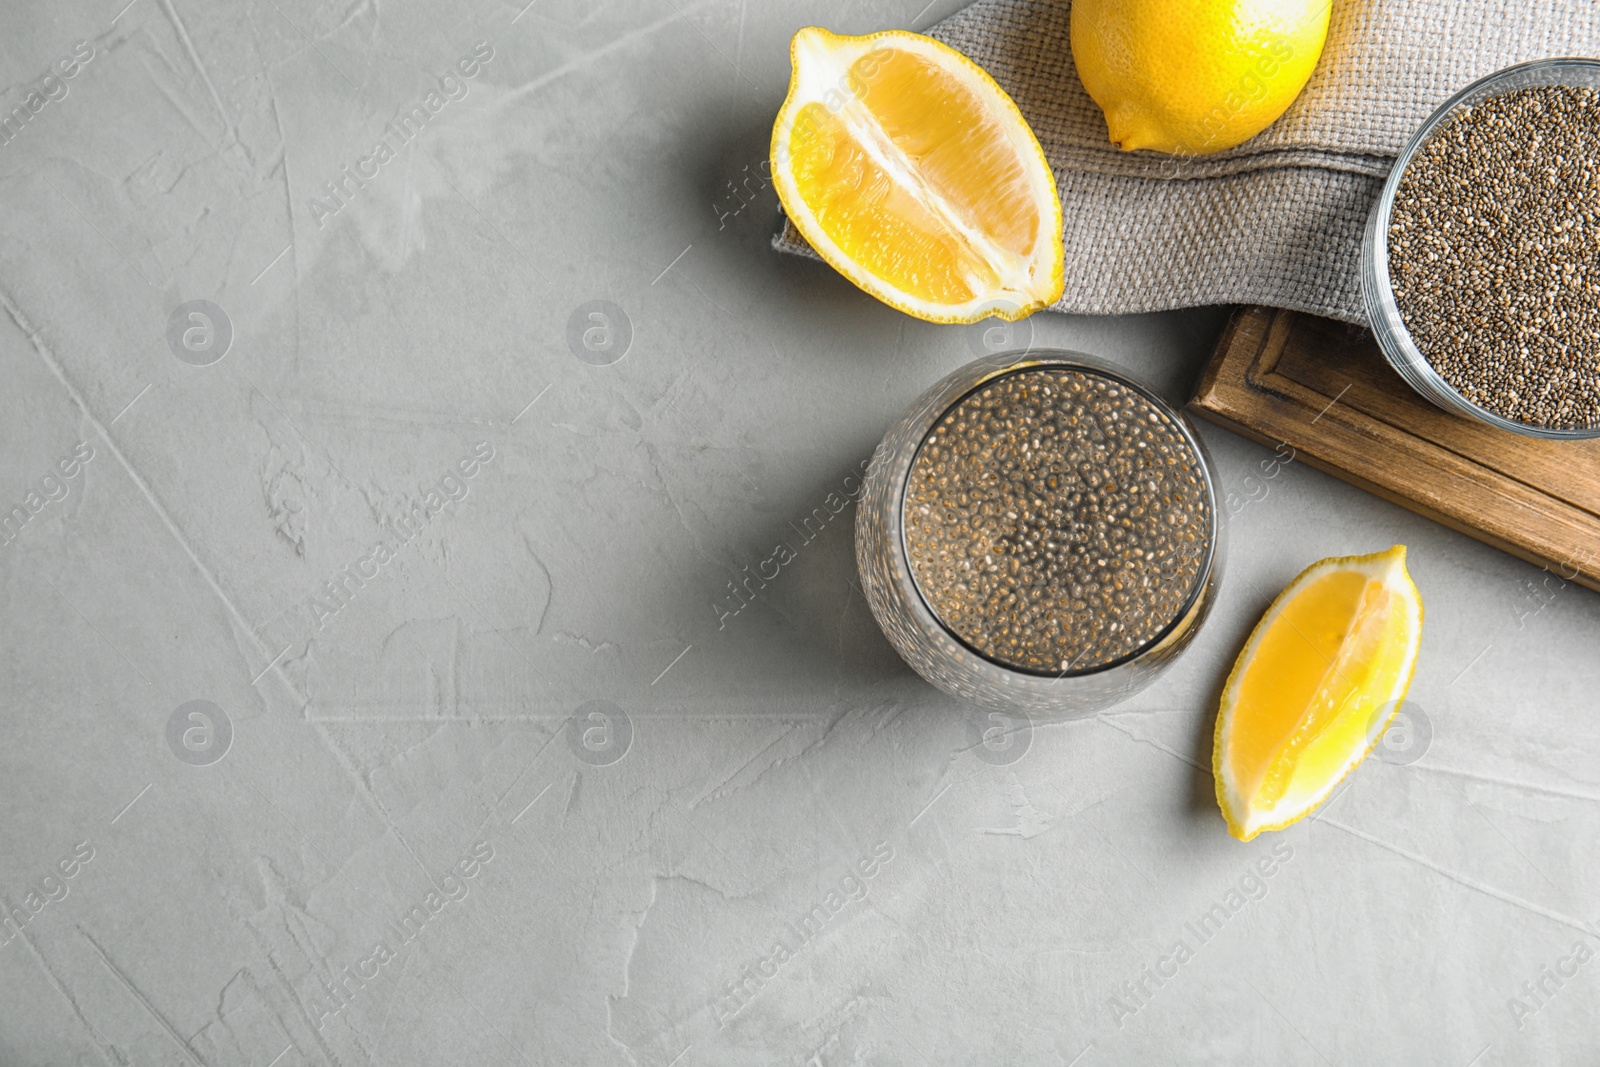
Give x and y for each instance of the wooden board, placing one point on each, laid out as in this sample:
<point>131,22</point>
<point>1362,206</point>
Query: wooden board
<point>1324,389</point>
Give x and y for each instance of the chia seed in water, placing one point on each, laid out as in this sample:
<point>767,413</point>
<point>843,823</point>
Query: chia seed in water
<point>1057,520</point>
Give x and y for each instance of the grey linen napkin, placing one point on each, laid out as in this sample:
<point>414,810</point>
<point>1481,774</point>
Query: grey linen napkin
<point>1277,220</point>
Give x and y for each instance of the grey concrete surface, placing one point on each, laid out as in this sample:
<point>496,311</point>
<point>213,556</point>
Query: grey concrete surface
<point>408,529</point>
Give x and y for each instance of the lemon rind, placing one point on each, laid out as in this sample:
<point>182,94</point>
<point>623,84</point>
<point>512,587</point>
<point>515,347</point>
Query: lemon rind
<point>1148,132</point>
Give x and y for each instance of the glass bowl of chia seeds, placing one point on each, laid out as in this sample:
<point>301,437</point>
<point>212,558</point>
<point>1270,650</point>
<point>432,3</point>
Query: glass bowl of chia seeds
<point>1480,267</point>
<point>1039,533</point>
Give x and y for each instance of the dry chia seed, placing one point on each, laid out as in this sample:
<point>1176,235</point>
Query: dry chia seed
<point>1494,254</point>
<point>1057,520</point>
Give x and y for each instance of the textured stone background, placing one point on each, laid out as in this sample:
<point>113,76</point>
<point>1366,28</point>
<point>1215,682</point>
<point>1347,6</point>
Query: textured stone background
<point>631,874</point>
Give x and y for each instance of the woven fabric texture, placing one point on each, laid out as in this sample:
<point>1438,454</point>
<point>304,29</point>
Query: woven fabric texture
<point>1277,220</point>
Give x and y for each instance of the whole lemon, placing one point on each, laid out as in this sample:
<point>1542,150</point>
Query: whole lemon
<point>1195,76</point>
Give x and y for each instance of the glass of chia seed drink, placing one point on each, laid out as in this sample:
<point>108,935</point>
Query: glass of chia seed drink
<point>1039,533</point>
<point>1480,267</point>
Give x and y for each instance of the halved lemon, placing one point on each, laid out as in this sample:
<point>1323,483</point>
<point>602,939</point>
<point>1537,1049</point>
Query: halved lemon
<point>1322,675</point>
<point>911,172</point>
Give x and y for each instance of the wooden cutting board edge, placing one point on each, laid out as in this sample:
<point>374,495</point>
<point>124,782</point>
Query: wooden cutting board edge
<point>1235,391</point>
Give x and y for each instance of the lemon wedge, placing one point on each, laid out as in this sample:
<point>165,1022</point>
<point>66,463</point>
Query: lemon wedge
<point>1316,685</point>
<point>915,176</point>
